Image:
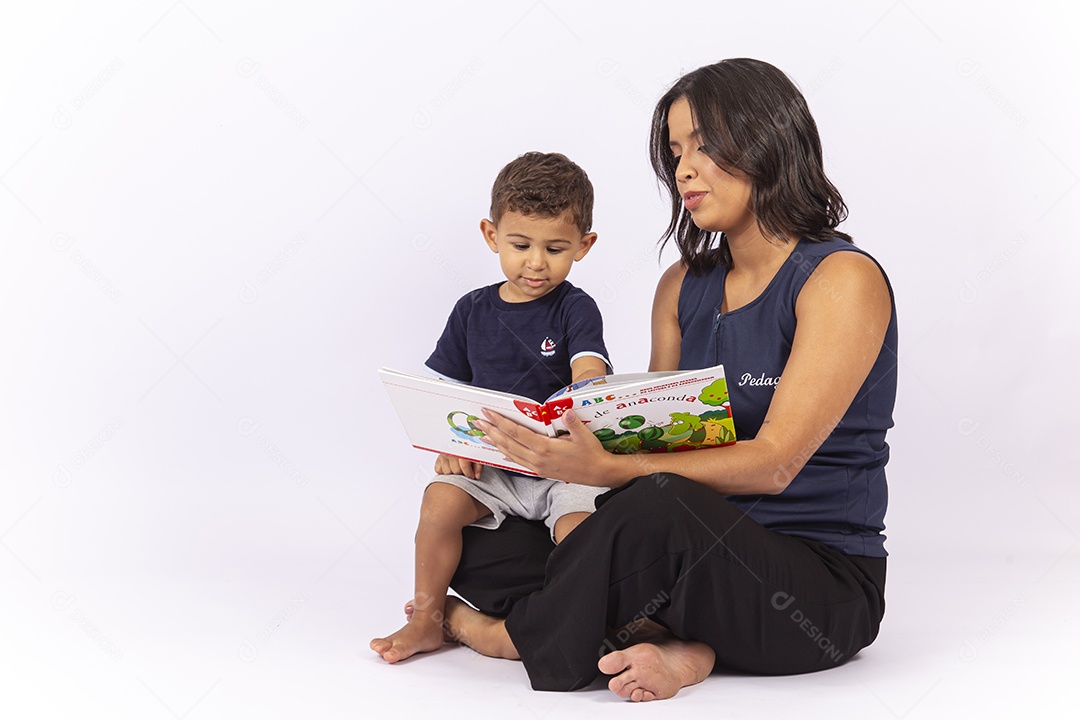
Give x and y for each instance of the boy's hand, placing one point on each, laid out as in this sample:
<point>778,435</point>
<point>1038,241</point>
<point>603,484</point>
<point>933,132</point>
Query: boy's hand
<point>450,465</point>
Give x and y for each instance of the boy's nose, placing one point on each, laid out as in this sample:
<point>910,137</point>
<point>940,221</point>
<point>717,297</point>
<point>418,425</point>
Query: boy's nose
<point>536,260</point>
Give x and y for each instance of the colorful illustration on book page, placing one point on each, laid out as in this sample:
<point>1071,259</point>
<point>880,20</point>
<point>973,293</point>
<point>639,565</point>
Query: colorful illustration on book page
<point>468,432</point>
<point>687,428</point>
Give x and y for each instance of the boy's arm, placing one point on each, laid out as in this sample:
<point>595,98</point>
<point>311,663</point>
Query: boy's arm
<point>585,335</point>
<point>588,366</point>
<point>450,359</point>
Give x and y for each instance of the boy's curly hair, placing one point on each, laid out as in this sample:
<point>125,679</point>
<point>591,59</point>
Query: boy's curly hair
<point>544,184</point>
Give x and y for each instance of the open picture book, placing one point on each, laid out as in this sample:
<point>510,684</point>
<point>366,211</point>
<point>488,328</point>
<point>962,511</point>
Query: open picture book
<point>628,413</point>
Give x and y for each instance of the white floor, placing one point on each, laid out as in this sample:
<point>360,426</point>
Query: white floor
<point>218,635</point>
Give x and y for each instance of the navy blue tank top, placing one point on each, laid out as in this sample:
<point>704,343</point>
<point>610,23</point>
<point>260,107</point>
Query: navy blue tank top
<point>839,496</point>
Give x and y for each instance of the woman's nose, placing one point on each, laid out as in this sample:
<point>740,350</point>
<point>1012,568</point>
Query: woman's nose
<point>685,169</point>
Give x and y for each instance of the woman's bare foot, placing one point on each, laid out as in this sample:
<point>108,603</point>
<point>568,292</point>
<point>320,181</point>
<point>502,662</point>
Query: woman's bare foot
<point>642,630</point>
<point>422,632</point>
<point>484,634</point>
<point>656,672</point>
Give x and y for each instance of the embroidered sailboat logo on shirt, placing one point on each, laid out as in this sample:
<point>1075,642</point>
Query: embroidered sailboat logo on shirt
<point>547,348</point>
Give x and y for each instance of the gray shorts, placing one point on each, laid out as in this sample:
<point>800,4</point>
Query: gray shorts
<point>524,497</point>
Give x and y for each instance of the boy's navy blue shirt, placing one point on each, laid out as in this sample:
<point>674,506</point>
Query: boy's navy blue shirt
<point>521,348</point>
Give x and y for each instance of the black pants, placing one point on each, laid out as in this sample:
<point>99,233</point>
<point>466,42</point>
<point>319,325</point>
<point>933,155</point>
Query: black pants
<point>672,550</point>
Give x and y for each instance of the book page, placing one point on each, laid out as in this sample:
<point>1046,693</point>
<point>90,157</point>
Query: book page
<point>440,416</point>
<point>670,413</point>
<point>620,379</point>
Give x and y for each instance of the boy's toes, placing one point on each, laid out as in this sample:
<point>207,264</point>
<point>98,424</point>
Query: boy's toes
<point>390,651</point>
<point>422,634</point>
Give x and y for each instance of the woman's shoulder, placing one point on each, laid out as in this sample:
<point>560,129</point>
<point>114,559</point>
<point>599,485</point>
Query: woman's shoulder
<point>674,274</point>
<point>850,279</point>
<point>849,258</point>
<point>670,283</point>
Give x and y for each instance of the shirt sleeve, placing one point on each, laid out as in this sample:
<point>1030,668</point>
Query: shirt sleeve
<point>585,329</point>
<point>451,356</point>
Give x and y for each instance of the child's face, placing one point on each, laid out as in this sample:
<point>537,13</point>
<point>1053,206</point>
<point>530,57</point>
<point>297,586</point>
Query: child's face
<point>535,252</point>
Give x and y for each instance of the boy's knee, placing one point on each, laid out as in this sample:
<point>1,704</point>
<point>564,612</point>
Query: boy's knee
<point>444,500</point>
<point>439,492</point>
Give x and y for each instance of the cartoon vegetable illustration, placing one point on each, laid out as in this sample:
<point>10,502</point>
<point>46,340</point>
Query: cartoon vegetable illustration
<point>650,433</point>
<point>716,393</point>
<point>684,422</point>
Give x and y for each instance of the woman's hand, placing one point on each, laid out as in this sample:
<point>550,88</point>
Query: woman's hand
<point>577,458</point>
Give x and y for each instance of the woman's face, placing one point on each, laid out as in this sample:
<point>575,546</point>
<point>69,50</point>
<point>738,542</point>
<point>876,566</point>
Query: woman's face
<point>718,200</point>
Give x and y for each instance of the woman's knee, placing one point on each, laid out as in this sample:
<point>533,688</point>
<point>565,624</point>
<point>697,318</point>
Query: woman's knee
<point>658,500</point>
<point>659,490</point>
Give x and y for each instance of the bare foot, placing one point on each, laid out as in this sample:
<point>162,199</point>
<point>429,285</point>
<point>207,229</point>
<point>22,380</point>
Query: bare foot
<point>484,634</point>
<point>423,632</point>
<point>656,672</point>
<point>642,630</point>
<point>410,608</point>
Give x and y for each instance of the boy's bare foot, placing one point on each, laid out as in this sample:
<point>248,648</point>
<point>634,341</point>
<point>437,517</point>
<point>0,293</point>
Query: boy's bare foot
<point>410,608</point>
<point>423,632</point>
<point>657,671</point>
<point>486,635</point>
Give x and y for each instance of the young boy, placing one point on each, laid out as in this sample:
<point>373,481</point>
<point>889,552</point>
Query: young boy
<point>532,334</point>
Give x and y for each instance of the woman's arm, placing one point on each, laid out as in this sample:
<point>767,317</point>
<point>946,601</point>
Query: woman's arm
<point>842,314</point>
<point>666,334</point>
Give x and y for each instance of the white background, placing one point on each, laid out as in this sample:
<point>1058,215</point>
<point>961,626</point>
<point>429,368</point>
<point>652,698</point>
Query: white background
<point>218,219</point>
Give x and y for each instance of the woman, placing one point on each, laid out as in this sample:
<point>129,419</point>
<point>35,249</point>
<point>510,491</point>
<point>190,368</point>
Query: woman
<point>764,557</point>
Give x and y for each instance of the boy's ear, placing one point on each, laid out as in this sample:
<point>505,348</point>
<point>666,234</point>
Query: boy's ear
<point>587,241</point>
<point>490,233</point>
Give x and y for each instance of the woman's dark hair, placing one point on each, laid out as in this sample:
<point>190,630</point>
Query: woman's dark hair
<point>752,118</point>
